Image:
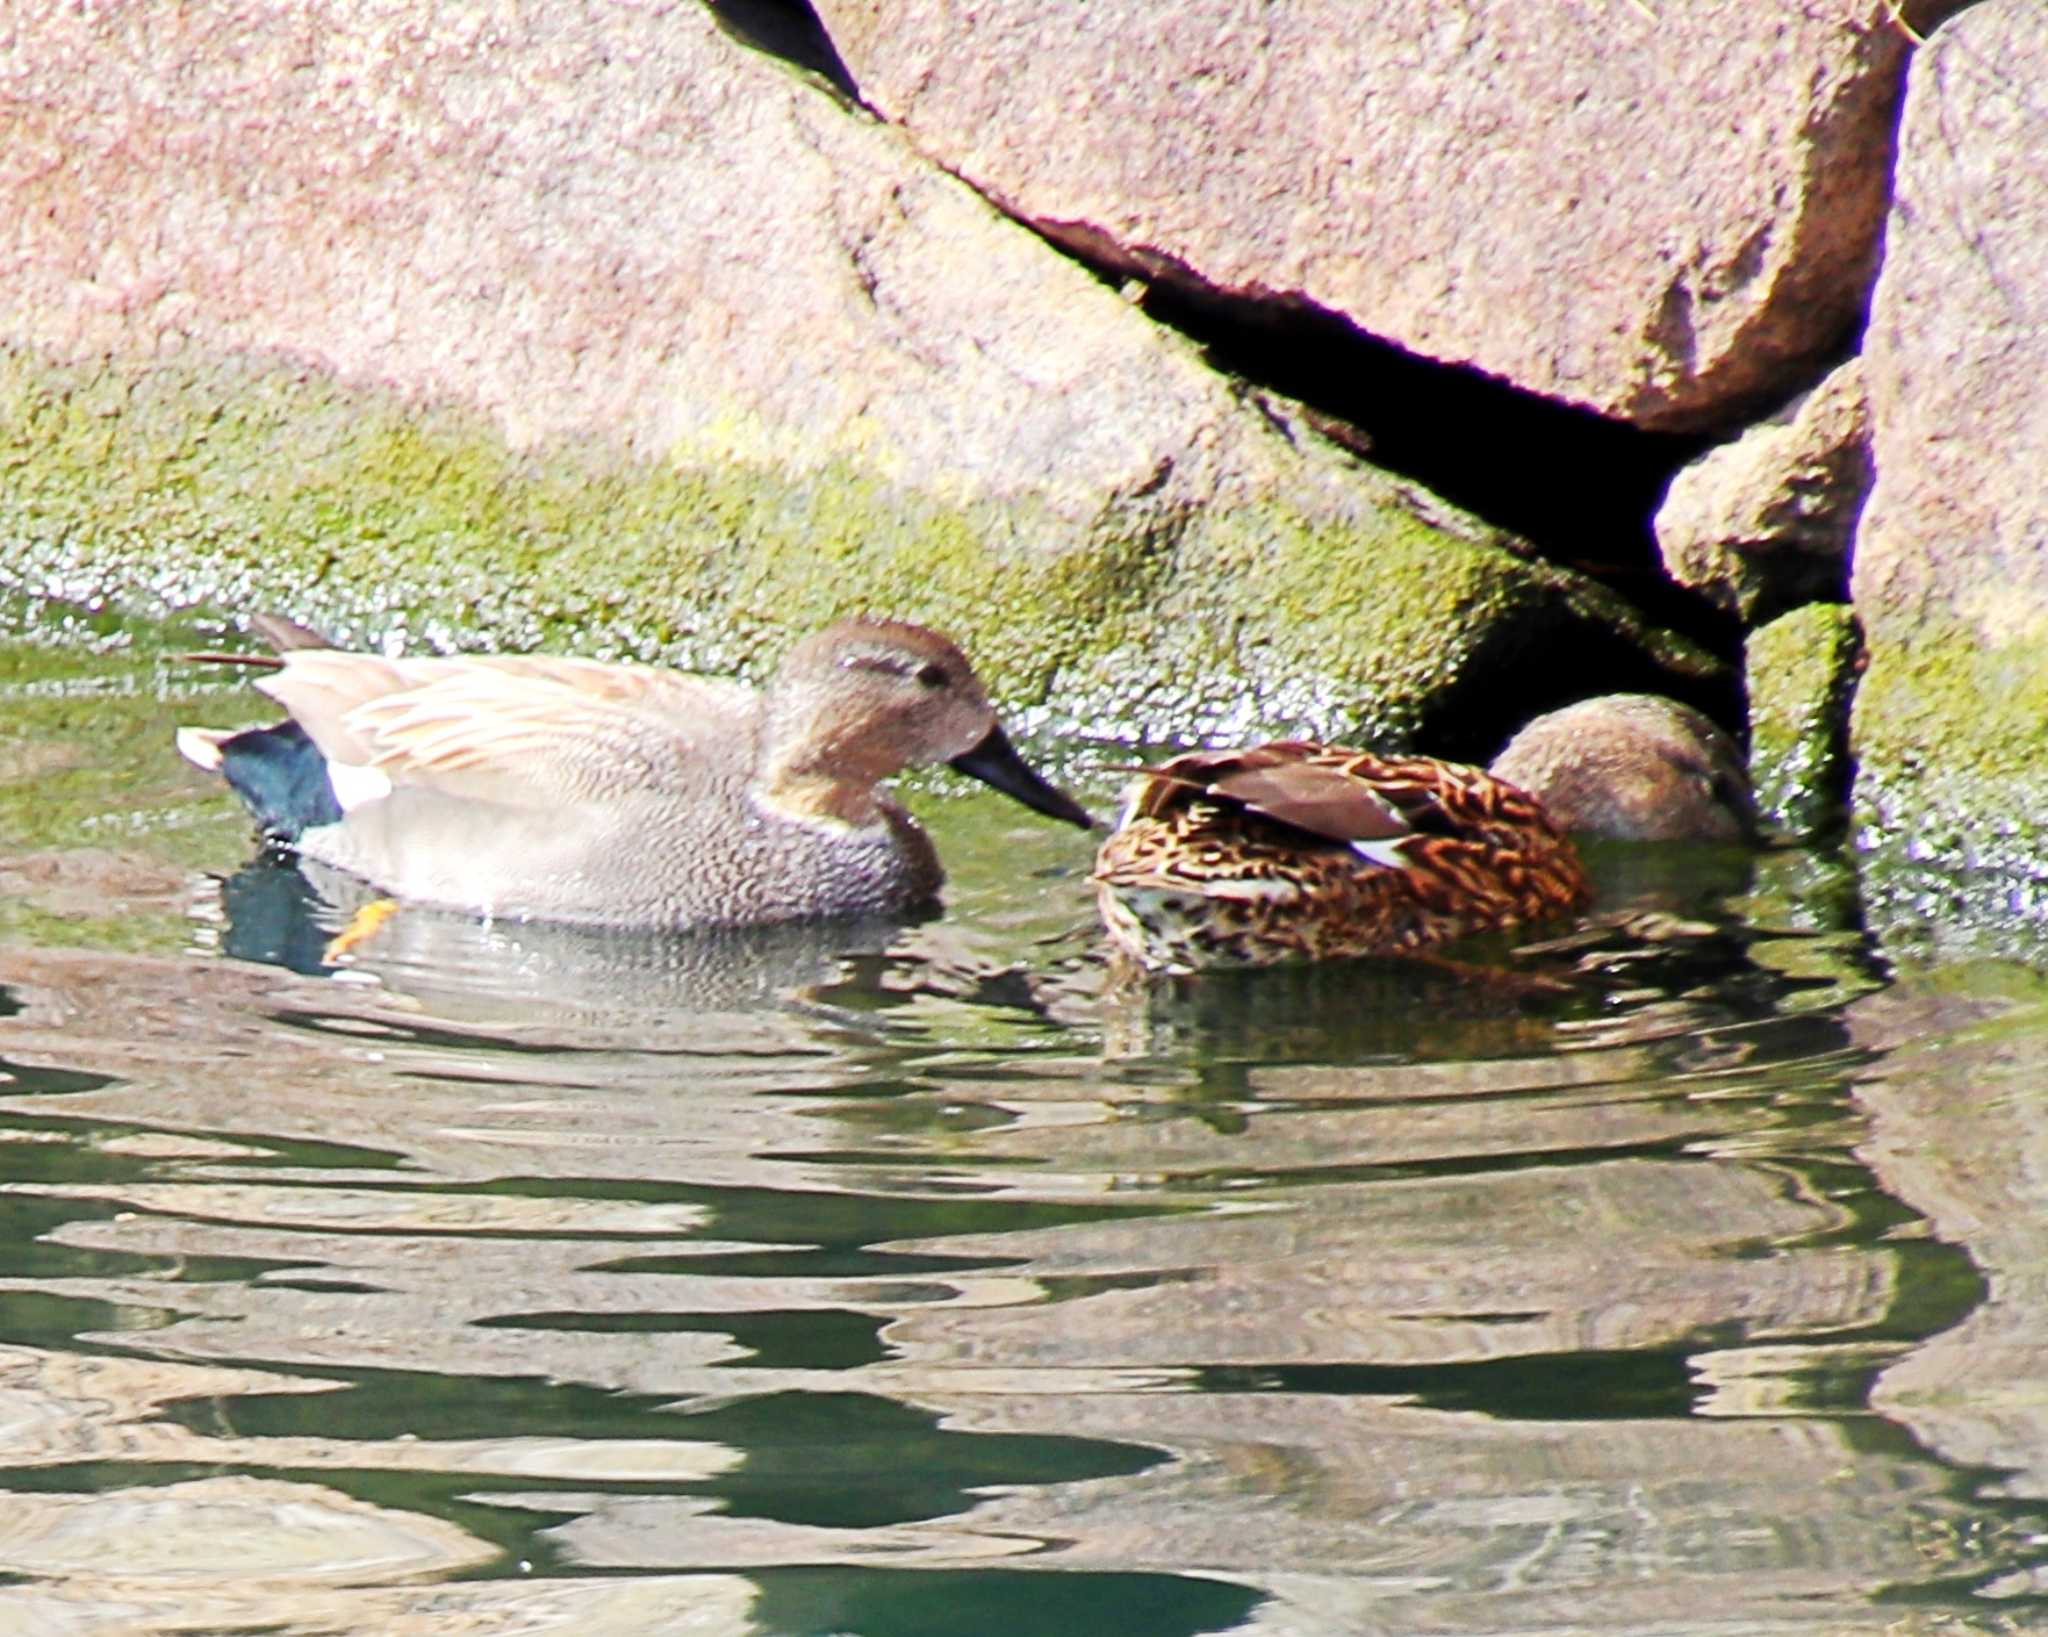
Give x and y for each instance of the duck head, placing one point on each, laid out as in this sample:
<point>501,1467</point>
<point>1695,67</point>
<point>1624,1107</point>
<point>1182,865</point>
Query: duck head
<point>866,698</point>
<point>1635,767</point>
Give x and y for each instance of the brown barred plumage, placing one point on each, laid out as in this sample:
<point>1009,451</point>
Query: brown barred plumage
<point>1297,851</point>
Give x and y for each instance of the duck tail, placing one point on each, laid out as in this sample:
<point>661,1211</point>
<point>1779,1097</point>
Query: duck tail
<point>278,772</point>
<point>284,635</point>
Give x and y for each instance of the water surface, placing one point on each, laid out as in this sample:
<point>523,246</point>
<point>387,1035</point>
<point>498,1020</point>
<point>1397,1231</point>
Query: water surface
<point>1685,1276</point>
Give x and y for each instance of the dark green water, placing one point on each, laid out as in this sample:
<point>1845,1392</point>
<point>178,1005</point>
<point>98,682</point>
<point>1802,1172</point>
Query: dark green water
<point>1689,1277</point>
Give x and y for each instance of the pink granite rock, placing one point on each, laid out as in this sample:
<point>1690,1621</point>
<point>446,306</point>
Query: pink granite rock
<point>587,221</point>
<point>584,323</point>
<point>1951,575</point>
<point>1763,524</point>
<point>1657,212</point>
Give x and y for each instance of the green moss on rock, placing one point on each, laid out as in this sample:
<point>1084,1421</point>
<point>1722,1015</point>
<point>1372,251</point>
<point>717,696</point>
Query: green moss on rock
<point>238,485</point>
<point>1801,672</point>
<point>1951,794</point>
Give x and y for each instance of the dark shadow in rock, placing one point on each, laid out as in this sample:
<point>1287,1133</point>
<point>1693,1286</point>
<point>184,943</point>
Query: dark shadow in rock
<point>1580,487</point>
<point>790,30</point>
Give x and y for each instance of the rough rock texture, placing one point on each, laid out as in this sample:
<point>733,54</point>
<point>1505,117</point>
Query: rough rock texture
<point>1655,212</point>
<point>1801,674</point>
<point>589,324</point>
<point>1951,577</point>
<point>1763,524</point>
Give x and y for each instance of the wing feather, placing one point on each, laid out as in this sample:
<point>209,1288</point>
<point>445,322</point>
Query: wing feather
<point>527,731</point>
<point>1325,801</point>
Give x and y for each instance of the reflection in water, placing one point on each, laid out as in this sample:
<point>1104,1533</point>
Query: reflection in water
<point>456,966</point>
<point>1680,1273</point>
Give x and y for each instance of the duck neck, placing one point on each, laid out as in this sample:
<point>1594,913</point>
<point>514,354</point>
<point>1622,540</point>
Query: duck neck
<point>811,775</point>
<point>820,798</point>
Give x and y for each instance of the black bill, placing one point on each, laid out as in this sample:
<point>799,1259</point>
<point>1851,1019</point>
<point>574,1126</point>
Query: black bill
<point>995,762</point>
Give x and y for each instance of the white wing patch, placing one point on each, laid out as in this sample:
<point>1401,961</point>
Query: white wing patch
<point>357,786</point>
<point>201,746</point>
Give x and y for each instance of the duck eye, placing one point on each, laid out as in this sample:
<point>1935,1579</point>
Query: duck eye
<point>931,674</point>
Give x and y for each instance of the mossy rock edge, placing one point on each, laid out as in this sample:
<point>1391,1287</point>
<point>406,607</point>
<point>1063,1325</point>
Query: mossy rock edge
<point>237,485</point>
<point>1951,793</point>
<point>1801,676</point>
